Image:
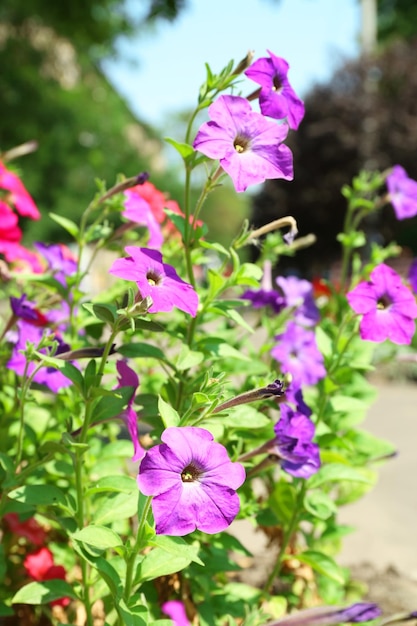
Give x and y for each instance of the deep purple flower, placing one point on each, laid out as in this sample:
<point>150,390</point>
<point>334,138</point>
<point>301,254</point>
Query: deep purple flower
<point>158,280</point>
<point>138,210</point>
<point>266,295</point>
<point>388,307</point>
<point>298,354</point>
<point>277,98</point>
<point>175,609</point>
<point>298,294</point>
<point>27,311</point>
<point>293,444</point>
<point>49,376</point>
<point>193,482</point>
<point>128,378</point>
<point>402,193</point>
<point>328,615</point>
<point>248,146</point>
<point>412,275</point>
<point>61,262</point>
<point>294,396</point>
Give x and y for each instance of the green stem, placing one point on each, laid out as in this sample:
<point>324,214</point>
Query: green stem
<point>78,467</point>
<point>135,549</point>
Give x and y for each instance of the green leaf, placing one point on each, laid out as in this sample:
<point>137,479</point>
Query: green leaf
<point>161,562</point>
<point>73,373</point>
<point>110,406</point>
<point>119,483</point>
<point>184,149</point>
<point>39,494</point>
<point>176,546</point>
<point>188,358</point>
<point>6,611</point>
<point>282,501</point>
<point>319,504</point>
<point>68,225</point>
<point>244,416</point>
<point>132,616</point>
<point>103,312</point>
<point>98,536</point>
<point>334,472</point>
<point>322,564</point>
<point>119,507</point>
<point>168,414</point>
<point>141,350</point>
<point>43,593</point>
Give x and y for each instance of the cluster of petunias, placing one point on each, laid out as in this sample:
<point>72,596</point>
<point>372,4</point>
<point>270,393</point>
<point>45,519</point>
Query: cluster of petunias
<point>387,306</point>
<point>248,146</point>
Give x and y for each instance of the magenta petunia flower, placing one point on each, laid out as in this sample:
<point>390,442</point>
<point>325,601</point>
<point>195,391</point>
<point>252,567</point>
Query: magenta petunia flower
<point>298,354</point>
<point>193,482</point>
<point>248,146</point>
<point>266,295</point>
<point>388,307</point>
<point>298,294</point>
<point>277,98</point>
<point>175,609</point>
<point>412,275</point>
<point>128,378</point>
<point>138,210</point>
<point>158,280</point>
<point>402,193</point>
<point>19,196</point>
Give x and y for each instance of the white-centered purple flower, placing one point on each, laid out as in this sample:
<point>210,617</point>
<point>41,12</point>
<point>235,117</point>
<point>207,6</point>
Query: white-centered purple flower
<point>193,482</point>
<point>293,444</point>
<point>298,355</point>
<point>266,295</point>
<point>128,378</point>
<point>138,210</point>
<point>156,279</point>
<point>248,146</point>
<point>298,294</point>
<point>388,307</point>
<point>402,192</point>
<point>277,98</point>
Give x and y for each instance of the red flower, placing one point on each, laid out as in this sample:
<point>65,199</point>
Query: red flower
<point>40,566</point>
<point>18,195</point>
<point>30,529</point>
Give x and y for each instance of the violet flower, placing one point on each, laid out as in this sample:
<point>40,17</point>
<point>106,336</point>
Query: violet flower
<point>248,146</point>
<point>293,444</point>
<point>329,615</point>
<point>158,280</point>
<point>388,307</point>
<point>193,482</point>
<point>412,275</point>
<point>277,98</point>
<point>60,261</point>
<point>298,294</point>
<point>48,376</point>
<point>402,193</point>
<point>128,378</point>
<point>298,355</point>
<point>26,310</point>
<point>175,609</point>
<point>266,295</point>
<point>138,210</point>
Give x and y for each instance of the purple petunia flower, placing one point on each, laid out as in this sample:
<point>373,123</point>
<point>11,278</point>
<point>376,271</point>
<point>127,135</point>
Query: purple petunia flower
<point>248,146</point>
<point>293,444</point>
<point>388,307</point>
<point>138,210</point>
<point>298,354</point>
<point>266,295</point>
<point>193,482</point>
<point>294,396</point>
<point>329,615</point>
<point>298,294</point>
<point>175,609</point>
<point>158,280</point>
<point>26,310</point>
<point>277,98</point>
<point>402,193</point>
<point>412,275</point>
<point>129,378</point>
<point>60,260</point>
<point>49,376</point>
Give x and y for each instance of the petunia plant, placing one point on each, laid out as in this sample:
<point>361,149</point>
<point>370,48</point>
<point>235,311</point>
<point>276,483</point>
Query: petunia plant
<point>158,389</point>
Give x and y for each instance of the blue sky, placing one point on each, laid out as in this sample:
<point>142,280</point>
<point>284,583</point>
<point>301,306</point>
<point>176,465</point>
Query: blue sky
<point>160,72</point>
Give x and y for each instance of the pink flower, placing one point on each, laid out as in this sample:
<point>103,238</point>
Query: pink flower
<point>40,566</point>
<point>175,609</point>
<point>138,210</point>
<point>18,195</point>
<point>158,280</point>
<point>402,193</point>
<point>388,307</point>
<point>277,98</point>
<point>248,146</point>
<point>129,378</point>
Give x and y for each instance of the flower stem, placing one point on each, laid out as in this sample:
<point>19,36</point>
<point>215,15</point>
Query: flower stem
<point>135,549</point>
